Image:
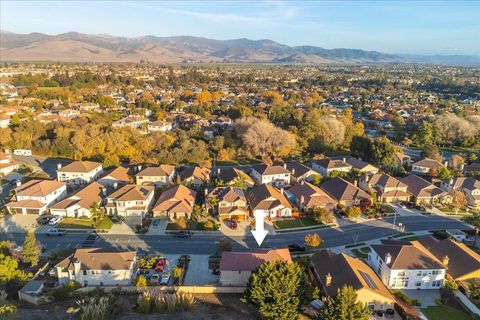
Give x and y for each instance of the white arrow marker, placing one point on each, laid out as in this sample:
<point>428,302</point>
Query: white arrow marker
<point>259,233</point>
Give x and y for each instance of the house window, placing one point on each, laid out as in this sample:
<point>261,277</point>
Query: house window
<point>419,273</point>
<point>84,272</point>
<point>418,284</point>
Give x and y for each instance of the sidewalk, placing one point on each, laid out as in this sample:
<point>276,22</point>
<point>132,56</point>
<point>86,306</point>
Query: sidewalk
<point>466,302</point>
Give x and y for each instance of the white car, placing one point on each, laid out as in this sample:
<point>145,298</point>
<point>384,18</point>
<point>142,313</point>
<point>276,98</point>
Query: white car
<point>55,232</point>
<point>55,220</point>
<point>164,279</point>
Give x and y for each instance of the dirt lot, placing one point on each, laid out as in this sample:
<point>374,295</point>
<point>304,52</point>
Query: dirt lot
<point>210,306</point>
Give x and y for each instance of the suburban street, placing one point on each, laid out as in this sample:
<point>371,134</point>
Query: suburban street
<point>204,243</point>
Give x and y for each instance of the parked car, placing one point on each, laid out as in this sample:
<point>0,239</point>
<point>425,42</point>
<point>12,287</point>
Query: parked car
<point>183,234</point>
<point>117,219</point>
<point>233,224</point>
<point>55,220</point>
<point>156,222</point>
<point>93,237</point>
<point>44,219</point>
<point>165,278</point>
<point>55,232</point>
<point>155,277</point>
<point>296,247</point>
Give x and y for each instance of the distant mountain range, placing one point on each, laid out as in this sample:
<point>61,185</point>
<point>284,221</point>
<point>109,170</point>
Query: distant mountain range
<point>79,47</point>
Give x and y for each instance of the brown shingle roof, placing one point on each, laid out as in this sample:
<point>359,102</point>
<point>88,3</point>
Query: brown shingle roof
<point>160,171</point>
<point>80,166</point>
<point>119,173</point>
<point>332,163</point>
<point>249,261</point>
<point>176,199</point>
<point>85,198</point>
<point>228,175</point>
<point>345,270</point>
<point>420,187</point>
<point>342,190</point>
<point>313,195</point>
<point>264,169</point>
<point>131,192</point>
<point>100,259</point>
<point>266,197</point>
<point>38,188</point>
<point>428,163</point>
<point>407,256</point>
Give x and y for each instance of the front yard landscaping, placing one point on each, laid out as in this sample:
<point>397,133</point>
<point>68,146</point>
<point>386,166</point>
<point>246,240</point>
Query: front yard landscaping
<point>296,223</point>
<point>444,313</point>
<point>361,253</point>
<point>84,223</point>
<point>209,225</point>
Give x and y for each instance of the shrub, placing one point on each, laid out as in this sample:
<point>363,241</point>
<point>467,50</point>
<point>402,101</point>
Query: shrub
<point>182,223</point>
<point>157,301</point>
<point>415,302</point>
<point>144,303</point>
<point>7,311</point>
<point>224,245</point>
<point>451,284</point>
<point>140,282</point>
<point>94,309</point>
<point>209,225</point>
<point>64,292</point>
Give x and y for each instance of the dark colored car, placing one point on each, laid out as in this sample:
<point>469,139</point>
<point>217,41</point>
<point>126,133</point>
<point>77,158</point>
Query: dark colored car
<point>93,237</point>
<point>156,222</point>
<point>44,219</point>
<point>233,224</point>
<point>183,234</point>
<point>296,247</point>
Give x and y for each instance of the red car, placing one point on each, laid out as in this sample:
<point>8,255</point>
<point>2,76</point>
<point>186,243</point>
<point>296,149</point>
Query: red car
<point>160,264</point>
<point>233,224</point>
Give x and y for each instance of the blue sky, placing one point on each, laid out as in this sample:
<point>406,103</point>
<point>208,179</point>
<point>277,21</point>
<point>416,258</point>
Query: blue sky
<point>420,27</point>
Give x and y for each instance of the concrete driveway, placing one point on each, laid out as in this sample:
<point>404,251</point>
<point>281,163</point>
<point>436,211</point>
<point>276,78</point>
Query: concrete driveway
<point>198,273</point>
<point>405,211</point>
<point>18,223</point>
<point>426,297</point>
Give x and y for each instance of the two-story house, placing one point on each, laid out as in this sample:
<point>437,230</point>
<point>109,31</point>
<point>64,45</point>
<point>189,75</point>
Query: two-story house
<point>277,176</point>
<point>362,166</point>
<point>118,176</point>
<point>161,175</point>
<point>307,196</point>
<point>346,193</point>
<point>175,202</point>
<point>227,203</point>
<point>7,164</point>
<point>387,188</point>
<point>233,177</point>
<point>468,185</point>
<point>426,167</point>
<point>269,201</point>
<point>327,166</point>
<point>195,176</point>
<point>98,267</point>
<point>80,204</point>
<point>333,271</point>
<point>406,266</point>
<point>300,172</point>
<point>79,173</point>
<point>130,200</point>
<point>34,196</point>
<point>423,191</point>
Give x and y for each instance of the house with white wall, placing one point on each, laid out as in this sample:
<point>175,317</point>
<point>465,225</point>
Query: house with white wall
<point>130,200</point>
<point>327,166</point>
<point>79,173</point>
<point>98,267</point>
<point>277,176</point>
<point>34,196</point>
<point>270,201</point>
<point>406,266</point>
<point>80,204</point>
<point>468,185</point>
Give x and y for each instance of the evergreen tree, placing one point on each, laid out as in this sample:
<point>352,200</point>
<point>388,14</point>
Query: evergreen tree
<point>277,289</point>
<point>30,249</point>
<point>344,306</point>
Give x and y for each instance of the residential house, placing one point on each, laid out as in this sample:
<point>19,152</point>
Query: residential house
<point>307,196</point>
<point>233,177</point>
<point>468,185</point>
<point>130,200</point>
<point>4,120</point>
<point>79,173</point>
<point>160,126</point>
<point>34,196</point>
<point>134,122</point>
<point>362,166</point>
<point>472,170</point>
<point>327,166</point>
<point>228,203</point>
<point>270,201</point>
<point>98,267</point>
<point>346,193</point>
<point>300,172</point>
<point>426,167</point>
<point>462,263</point>
<point>236,267</point>
<point>277,176</point>
<point>161,175</point>
<point>175,202</point>
<point>7,164</point>
<point>423,191</point>
<point>195,176</point>
<point>387,188</point>
<point>80,204</point>
<point>402,159</point>
<point>406,266</point>
<point>333,271</point>
<point>115,177</point>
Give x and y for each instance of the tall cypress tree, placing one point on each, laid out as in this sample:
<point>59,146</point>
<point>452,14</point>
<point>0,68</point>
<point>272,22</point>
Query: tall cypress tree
<point>344,306</point>
<point>30,249</point>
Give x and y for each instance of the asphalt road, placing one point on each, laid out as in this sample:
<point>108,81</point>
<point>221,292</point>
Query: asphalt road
<point>206,243</point>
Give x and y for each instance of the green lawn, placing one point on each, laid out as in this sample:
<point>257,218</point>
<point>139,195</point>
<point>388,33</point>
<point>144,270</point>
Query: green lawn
<point>84,223</point>
<point>359,254</point>
<point>444,313</point>
<point>296,223</point>
<point>191,225</point>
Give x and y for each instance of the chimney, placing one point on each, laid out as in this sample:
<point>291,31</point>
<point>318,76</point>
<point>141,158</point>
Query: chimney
<point>450,182</point>
<point>285,166</point>
<point>59,166</point>
<point>293,171</point>
<point>115,185</point>
<point>328,280</point>
<point>388,258</point>
<point>445,261</point>
<point>281,191</point>
<point>445,164</point>
<point>104,191</point>
<point>461,166</point>
<point>302,199</point>
<point>302,183</point>
<point>218,172</point>
<point>206,192</point>
<point>139,168</point>
<point>344,159</point>
<point>7,151</point>
<point>18,183</point>
<point>355,182</point>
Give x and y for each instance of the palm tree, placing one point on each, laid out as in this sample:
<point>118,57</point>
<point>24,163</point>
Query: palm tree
<point>474,220</point>
<point>97,212</point>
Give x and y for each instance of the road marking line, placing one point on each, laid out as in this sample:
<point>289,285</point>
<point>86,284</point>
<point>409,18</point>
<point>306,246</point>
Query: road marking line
<point>68,245</point>
<point>58,245</point>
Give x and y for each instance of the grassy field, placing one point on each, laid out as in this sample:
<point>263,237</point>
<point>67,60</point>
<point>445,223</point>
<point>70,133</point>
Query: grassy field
<point>296,223</point>
<point>84,223</point>
<point>444,313</point>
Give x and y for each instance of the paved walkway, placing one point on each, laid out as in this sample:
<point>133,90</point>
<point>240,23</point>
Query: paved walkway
<point>466,302</point>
